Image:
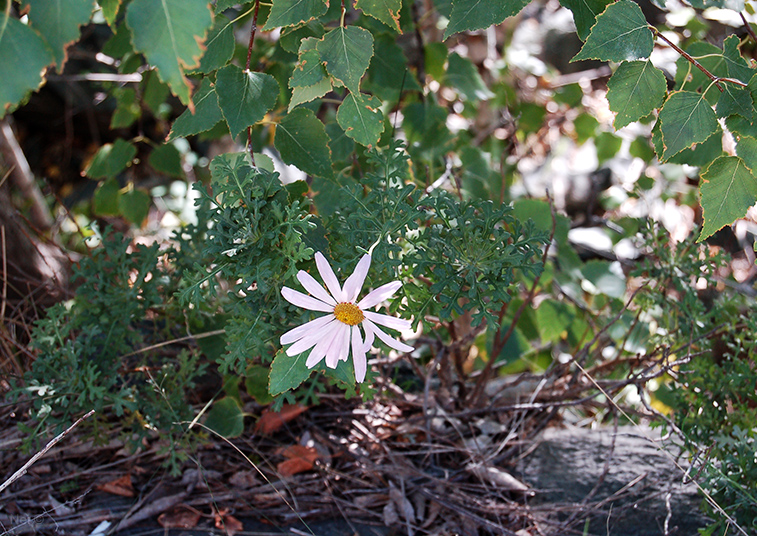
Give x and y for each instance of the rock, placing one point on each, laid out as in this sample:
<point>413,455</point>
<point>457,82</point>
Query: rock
<point>642,494</point>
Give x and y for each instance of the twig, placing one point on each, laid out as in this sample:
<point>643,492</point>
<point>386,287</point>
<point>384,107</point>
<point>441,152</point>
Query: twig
<point>748,28</point>
<point>715,79</point>
<point>5,274</point>
<point>21,472</point>
<point>23,177</point>
<point>253,29</point>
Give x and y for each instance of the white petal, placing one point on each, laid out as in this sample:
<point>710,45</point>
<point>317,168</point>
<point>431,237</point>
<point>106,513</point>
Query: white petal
<point>302,300</point>
<point>340,345</point>
<point>299,332</point>
<point>344,349</point>
<point>327,274</point>
<point>327,338</point>
<point>388,321</point>
<point>314,288</point>
<point>355,282</point>
<point>378,295</point>
<point>393,343</point>
<point>358,355</point>
<point>368,326</point>
<point>310,339</point>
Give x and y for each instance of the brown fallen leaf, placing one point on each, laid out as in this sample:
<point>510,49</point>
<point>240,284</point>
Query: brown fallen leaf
<point>270,421</point>
<point>226,522</point>
<point>293,466</point>
<point>300,451</point>
<point>179,517</point>
<point>120,486</point>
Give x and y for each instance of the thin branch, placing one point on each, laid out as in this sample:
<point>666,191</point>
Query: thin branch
<point>749,28</point>
<point>253,30</point>
<point>23,177</point>
<point>21,472</point>
<point>715,79</point>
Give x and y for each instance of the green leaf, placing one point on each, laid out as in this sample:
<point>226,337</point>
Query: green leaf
<point>17,41</point>
<point>301,95</point>
<point>735,100</point>
<point>223,5</point>
<point>111,159</point>
<point>686,118</point>
<point>607,278</point>
<point>540,212</point>
<point>226,418</point>
<point>219,45</point>
<point>690,78</point>
<point>207,113</point>
<point>347,52</point>
<point>166,159</point>
<point>58,21</point>
<point>127,108</point>
<point>134,205</point>
<point>585,13</point>
<point>256,383</point>
<point>736,65</point>
<point>621,33</point>
<point>154,92</point>
<point>634,90</point>
<point>244,96</point>
<point>361,118</point>
<point>746,149</point>
<point>308,71</point>
<point>700,154</point>
<point>388,74</point>
<point>341,145</point>
<point>110,10</point>
<point>291,38</point>
<point>287,372</point>
<point>735,5</point>
<point>169,34</point>
<point>302,141</point>
<point>554,318</point>
<point>436,57</point>
<point>387,11</point>
<point>728,190</point>
<point>463,76</point>
<point>106,198</point>
<point>119,43</point>
<point>477,14</point>
<point>293,12</point>
<point>739,126</point>
<point>608,145</point>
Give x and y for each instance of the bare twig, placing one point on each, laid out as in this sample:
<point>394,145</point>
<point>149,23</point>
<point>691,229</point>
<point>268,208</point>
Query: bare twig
<point>748,27</point>
<point>21,472</point>
<point>23,177</point>
<point>253,29</point>
<point>715,79</point>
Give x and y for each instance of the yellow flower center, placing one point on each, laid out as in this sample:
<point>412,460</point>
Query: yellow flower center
<point>349,313</point>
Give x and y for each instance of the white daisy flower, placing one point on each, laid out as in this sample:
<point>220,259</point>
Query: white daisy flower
<point>331,335</point>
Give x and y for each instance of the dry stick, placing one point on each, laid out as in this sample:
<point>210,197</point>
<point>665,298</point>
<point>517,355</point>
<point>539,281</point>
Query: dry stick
<point>21,472</point>
<point>716,79</point>
<point>23,177</point>
<point>254,466</point>
<point>5,275</point>
<point>704,492</point>
<point>748,28</point>
<point>253,29</point>
<point>499,339</point>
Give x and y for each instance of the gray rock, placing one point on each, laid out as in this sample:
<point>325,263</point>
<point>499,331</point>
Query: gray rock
<point>642,492</point>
